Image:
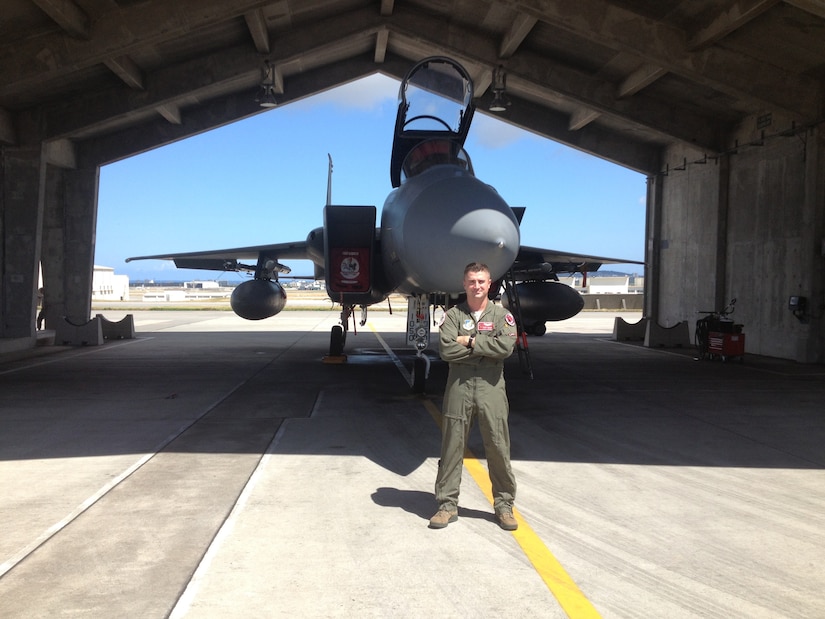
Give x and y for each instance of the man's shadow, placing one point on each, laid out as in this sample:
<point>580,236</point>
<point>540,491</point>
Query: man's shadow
<point>421,504</point>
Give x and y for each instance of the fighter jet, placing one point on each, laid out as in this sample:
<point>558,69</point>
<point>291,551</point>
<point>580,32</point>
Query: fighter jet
<point>438,218</point>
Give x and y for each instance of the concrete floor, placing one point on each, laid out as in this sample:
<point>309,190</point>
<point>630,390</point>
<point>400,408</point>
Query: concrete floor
<point>215,467</point>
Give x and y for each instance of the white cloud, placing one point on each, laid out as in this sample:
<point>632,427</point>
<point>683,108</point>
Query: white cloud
<point>493,133</point>
<point>366,94</point>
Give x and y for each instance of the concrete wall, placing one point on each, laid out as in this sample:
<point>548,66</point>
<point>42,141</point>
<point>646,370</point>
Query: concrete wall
<point>688,242</point>
<point>748,226</point>
<point>614,302</point>
<point>767,234</point>
<point>21,217</point>
<point>48,213</point>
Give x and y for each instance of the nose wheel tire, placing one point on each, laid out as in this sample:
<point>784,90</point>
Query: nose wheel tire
<point>337,339</point>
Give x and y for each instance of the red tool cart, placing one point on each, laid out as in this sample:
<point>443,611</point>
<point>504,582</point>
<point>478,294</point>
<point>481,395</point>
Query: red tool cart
<point>726,345</point>
<point>718,336</point>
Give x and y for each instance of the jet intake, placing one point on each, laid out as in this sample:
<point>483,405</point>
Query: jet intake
<point>349,237</point>
<point>546,301</point>
<point>257,299</point>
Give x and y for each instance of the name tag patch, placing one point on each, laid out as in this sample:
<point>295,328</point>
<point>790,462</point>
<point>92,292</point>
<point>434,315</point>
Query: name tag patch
<point>485,326</point>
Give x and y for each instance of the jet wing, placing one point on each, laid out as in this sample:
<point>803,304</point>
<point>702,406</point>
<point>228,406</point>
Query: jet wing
<point>535,262</point>
<point>230,259</point>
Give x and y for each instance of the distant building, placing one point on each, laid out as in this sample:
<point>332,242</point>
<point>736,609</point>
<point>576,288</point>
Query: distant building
<point>605,284</point>
<point>106,286</point>
<point>609,285</point>
<point>202,284</point>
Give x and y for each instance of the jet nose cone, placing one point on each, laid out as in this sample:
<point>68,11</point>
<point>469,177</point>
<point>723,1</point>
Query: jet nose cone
<point>487,230</point>
<point>476,226</point>
<point>447,220</point>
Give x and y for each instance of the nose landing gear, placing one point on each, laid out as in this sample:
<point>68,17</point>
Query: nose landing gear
<point>418,335</point>
<point>338,337</point>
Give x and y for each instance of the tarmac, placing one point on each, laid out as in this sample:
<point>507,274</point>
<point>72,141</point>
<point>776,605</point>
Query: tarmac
<point>214,467</point>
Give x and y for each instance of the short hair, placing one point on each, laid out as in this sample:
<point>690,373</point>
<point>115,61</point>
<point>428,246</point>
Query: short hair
<point>475,267</point>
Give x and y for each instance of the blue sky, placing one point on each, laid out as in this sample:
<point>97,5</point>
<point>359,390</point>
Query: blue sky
<point>263,180</point>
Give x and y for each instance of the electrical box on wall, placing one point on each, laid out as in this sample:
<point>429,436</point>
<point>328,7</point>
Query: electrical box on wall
<point>799,307</point>
<point>797,304</point>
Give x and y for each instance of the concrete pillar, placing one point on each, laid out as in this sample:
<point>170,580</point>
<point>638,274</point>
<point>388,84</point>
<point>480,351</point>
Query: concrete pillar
<point>21,215</point>
<point>70,220</point>
<point>653,249</point>
<point>815,201</point>
<point>720,291</point>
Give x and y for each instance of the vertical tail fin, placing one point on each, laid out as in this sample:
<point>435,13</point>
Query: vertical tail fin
<point>329,181</point>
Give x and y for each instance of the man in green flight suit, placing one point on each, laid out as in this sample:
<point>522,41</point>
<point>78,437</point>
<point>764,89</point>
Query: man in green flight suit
<point>475,338</point>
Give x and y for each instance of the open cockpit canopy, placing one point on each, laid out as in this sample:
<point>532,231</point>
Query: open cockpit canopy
<point>435,104</point>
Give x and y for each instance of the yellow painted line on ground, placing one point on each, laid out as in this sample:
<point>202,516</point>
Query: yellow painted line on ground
<point>561,585</point>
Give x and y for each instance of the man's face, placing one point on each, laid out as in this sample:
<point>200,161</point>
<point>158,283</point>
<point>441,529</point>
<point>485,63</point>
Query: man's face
<point>477,284</point>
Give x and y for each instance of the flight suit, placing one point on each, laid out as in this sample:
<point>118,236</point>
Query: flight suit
<point>475,387</point>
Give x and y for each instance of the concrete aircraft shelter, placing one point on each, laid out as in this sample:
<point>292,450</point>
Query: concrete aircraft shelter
<point>719,103</point>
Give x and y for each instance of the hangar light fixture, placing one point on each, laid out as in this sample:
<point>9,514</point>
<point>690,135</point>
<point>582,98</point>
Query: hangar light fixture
<point>500,101</point>
<point>266,93</point>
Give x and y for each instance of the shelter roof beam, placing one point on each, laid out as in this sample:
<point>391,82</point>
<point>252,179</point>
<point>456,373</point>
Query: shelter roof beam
<point>714,66</point>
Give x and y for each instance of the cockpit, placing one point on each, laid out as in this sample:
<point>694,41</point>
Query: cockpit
<point>435,109</point>
<point>431,153</point>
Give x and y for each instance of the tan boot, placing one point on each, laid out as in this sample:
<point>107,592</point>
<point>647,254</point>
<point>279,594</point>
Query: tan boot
<point>506,521</point>
<point>442,518</point>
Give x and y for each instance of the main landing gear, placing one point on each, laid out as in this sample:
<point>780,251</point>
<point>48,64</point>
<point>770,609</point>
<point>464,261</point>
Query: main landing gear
<point>521,343</point>
<point>535,328</point>
<point>421,369</point>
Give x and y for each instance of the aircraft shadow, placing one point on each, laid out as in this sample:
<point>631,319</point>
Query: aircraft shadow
<point>591,400</point>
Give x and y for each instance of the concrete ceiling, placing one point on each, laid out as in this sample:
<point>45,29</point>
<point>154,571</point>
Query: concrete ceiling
<point>621,79</point>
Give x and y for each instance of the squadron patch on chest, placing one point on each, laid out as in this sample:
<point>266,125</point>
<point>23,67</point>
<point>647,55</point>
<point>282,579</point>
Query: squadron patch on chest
<point>468,324</point>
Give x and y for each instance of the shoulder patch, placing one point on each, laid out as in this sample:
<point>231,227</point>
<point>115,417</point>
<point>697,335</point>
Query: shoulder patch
<point>510,320</point>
